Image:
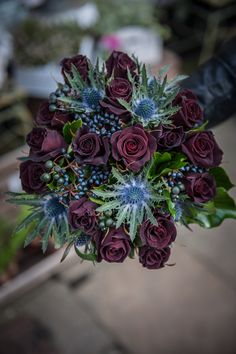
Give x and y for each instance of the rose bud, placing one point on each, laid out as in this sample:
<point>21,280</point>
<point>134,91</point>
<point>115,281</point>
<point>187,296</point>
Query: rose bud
<point>190,113</point>
<point>153,258</point>
<point>201,187</point>
<point>170,138</point>
<point>118,64</point>
<point>45,144</point>
<point>118,88</point>
<point>159,236</point>
<point>90,148</point>
<point>30,175</point>
<point>134,146</point>
<point>115,246</point>
<point>82,215</point>
<point>202,149</point>
<point>80,62</point>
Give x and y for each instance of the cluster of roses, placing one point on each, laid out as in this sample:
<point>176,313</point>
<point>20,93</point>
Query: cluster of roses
<point>130,148</point>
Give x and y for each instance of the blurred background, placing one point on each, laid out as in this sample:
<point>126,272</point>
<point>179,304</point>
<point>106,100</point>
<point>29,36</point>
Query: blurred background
<point>76,308</point>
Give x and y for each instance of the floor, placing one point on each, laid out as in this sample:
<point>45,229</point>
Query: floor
<point>187,308</point>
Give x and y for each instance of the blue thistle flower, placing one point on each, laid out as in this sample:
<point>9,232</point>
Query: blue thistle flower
<point>131,198</point>
<point>145,108</point>
<point>91,97</point>
<point>48,216</point>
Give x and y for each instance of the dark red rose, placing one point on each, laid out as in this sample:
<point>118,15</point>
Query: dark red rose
<point>51,119</point>
<point>30,173</point>
<point>119,63</point>
<point>115,246</point>
<point>80,62</point>
<point>153,258</point>
<point>118,88</point>
<point>170,138</point>
<point>159,236</point>
<point>202,149</point>
<point>44,116</point>
<point>90,148</point>
<point>82,215</point>
<point>201,187</point>
<point>134,146</point>
<point>190,113</point>
<point>45,144</point>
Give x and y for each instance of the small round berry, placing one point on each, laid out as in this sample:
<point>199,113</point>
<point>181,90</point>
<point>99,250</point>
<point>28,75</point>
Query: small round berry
<point>109,222</point>
<point>52,107</point>
<point>46,177</point>
<point>49,164</point>
<point>60,181</point>
<point>56,177</point>
<point>175,190</point>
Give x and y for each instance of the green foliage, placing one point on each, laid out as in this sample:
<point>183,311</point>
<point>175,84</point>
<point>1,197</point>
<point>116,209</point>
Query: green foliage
<point>221,177</point>
<point>163,163</point>
<point>70,129</point>
<point>214,212</point>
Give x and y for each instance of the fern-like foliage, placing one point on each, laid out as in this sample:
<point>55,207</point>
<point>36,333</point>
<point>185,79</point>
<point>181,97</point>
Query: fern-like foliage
<point>132,198</point>
<point>47,215</point>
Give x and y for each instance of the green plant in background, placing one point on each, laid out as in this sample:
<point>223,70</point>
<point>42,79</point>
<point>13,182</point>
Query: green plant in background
<point>9,245</point>
<point>126,13</point>
<point>38,43</point>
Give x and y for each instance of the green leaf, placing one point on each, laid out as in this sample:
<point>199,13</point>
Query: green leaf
<point>198,129</point>
<point>157,160</point>
<point>221,177</point>
<point>86,256</point>
<point>108,206</point>
<point>215,212</point>
<point>170,204</point>
<point>70,129</point>
<point>125,104</point>
<point>163,163</point>
<point>97,201</point>
<point>67,250</point>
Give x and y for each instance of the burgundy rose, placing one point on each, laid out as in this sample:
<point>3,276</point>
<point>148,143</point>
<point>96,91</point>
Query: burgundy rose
<point>119,63</point>
<point>171,137</point>
<point>153,258</point>
<point>30,175</point>
<point>134,146</point>
<point>118,88</point>
<point>82,215</point>
<point>159,236</point>
<point>80,62</point>
<point>51,119</point>
<point>190,113</point>
<point>45,144</point>
<point>115,246</point>
<point>90,148</point>
<point>202,149</point>
<point>201,187</point>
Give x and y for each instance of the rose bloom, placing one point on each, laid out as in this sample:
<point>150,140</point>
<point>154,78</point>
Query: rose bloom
<point>30,173</point>
<point>115,246</point>
<point>80,62</point>
<point>202,149</point>
<point>51,119</point>
<point>118,88</point>
<point>90,148</point>
<point>82,215</point>
<point>45,144</point>
<point>134,146</point>
<point>159,236</point>
<point>190,113</point>
<point>170,138</point>
<point>201,187</point>
<point>118,64</point>
<point>153,258</point>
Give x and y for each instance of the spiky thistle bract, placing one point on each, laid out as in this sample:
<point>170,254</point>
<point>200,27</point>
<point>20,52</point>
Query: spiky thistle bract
<point>132,198</point>
<point>47,215</point>
<point>152,98</point>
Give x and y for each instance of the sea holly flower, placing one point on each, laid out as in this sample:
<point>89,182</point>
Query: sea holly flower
<point>132,199</point>
<point>48,217</point>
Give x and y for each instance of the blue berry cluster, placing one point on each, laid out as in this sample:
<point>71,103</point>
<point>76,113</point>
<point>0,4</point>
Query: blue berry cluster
<point>192,168</point>
<point>103,124</point>
<point>86,179</point>
<point>60,92</point>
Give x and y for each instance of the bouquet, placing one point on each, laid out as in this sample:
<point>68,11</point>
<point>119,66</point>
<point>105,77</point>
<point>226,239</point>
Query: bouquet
<point>116,160</point>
